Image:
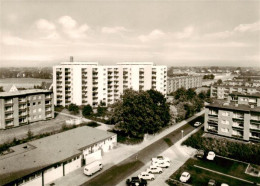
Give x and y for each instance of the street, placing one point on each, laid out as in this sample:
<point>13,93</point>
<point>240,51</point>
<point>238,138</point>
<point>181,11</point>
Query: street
<point>121,171</point>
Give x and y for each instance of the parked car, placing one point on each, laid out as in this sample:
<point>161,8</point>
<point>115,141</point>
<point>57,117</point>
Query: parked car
<point>211,155</point>
<point>185,176</point>
<point>161,158</point>
<point>197,124</point>
<point>146,176</point>
<point>224,184</point>
<point>135,181</point>
<point>162,164</point>
<point>154,170</point>
<point>212,182</point>
<point>200,153</point>
<point>92,168</point>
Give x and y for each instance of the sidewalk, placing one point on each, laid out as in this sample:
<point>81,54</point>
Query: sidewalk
<point>117,155</point>
<point>101,127</point>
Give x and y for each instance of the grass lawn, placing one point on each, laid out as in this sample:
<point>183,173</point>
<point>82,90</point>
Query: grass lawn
<point>227,167</point>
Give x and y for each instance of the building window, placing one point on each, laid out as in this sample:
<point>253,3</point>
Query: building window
<point>40,97</point>
<point>39,110</point>
<point>34,110</point>
<point>34,103</point>
<point>39,103</point>
<point>225,113</point>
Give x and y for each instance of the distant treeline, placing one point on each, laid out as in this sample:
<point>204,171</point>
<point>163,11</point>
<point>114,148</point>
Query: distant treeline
<point>41,73</point>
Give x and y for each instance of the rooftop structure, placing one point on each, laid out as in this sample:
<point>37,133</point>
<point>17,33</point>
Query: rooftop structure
<point>40,156</point>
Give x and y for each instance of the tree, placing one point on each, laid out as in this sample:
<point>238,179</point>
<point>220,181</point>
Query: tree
<point>101,110</point>
<point>219,82</point>
<point>180,94</point>
<point>87,110</point>
<point>139,113</point>
<point>74,109</point>
<point>29,134</point>
<point>190,94</point>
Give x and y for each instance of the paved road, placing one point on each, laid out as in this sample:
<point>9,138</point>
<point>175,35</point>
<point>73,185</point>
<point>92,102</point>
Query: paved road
<point>121,171</point>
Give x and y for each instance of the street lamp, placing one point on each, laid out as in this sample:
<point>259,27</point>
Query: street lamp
<point>182,133</point>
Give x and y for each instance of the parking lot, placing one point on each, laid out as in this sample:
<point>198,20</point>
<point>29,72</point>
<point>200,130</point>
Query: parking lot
<point>221,170</point>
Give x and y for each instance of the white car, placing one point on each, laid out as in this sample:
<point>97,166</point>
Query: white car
<point>185,176</point>
<point>197,124</point>
<point>160,159</point>
<point>162,164</point>
<point>154,170</point>
<point>146,176</point>
<point>224,184</point>
<point>211,155</point>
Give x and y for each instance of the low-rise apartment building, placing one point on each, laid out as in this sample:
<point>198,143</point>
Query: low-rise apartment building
<point>42,161</point>
<point>223,91</point>
<point>85,83</point>
<point>25,106</point>
<point>238,117</point>
<point>242,82</point>
<point>174,83</point>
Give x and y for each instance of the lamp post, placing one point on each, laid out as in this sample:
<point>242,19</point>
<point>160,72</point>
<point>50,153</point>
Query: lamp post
<point>182,134</point>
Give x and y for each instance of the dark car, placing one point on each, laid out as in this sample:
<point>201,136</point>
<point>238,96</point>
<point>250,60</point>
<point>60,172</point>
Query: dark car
<point>200,154</point>
<point>135,181</point>
<point>212,182</point>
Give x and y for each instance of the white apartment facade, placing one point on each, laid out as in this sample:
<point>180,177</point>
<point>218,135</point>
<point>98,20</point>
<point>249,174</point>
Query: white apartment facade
<point>85,83</point>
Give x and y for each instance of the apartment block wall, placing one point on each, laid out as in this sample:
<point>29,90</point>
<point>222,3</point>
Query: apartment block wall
<point>226,123</point>
<point>89,83</point>
<point>23,109</point>
<point>174,83</point>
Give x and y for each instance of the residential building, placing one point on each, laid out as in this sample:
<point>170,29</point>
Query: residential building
<point>85,83</point>
<point>238,117</point>
<point>25,106</point>
<point>222,91</point>
<point>42,161</point>
<point>174,83</point>
<point>242,82</point>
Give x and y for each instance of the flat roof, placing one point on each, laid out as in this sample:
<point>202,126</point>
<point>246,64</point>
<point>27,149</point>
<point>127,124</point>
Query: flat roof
<point>180,77</point>
<point>23,92</point>
<point>47,151</point>
<point>236,86</point>
<point>255,95</point>
<point>135,63</point>
<point>220,104</point>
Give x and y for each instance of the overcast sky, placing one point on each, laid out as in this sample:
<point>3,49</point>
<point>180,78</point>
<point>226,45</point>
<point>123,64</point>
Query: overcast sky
<point>173,33</point>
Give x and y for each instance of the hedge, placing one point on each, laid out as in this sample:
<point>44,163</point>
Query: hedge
<point>248,152</point>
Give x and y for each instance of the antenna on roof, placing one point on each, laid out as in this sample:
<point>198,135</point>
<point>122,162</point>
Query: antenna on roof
<point>71,58</point>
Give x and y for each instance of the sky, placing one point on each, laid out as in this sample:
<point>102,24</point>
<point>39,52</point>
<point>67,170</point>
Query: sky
<point>172,33</point>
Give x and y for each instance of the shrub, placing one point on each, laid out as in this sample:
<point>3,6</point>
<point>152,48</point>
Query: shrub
<point>87,110</point>
<point>93,124</point>
<point>247,152</point>
<point>74,109</point>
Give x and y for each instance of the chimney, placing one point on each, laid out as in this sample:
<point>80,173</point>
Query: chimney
<point>71,58</point>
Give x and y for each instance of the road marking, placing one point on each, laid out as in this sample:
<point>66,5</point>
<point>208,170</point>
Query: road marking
<point>224,174</point>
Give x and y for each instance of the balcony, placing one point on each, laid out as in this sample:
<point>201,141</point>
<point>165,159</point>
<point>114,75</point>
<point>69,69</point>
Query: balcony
<point>212,116</point>
<point>212,122</point>
<point>8,102</point>
<point>237,136</point>
<point>238,126</point>
<point>255,121</point>
<point>212,130</point>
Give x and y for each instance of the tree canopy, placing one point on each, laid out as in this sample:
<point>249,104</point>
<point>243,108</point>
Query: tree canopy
<point>87,110</point>
<point>141,112</point>
<point>74,109</point>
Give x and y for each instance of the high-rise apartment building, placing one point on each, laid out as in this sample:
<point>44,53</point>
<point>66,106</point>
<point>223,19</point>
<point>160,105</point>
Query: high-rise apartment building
<point>174,83</point>
<point>25,106</point>
<point>85,83</point>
